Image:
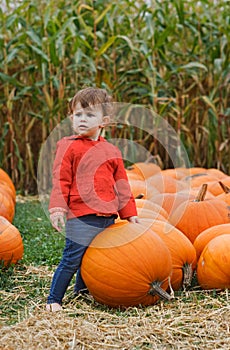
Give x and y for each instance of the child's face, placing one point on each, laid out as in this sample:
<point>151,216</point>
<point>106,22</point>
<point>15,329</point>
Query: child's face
<point>87,122</point>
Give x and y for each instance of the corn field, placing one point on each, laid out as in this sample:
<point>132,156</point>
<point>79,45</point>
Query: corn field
<point>171,56</point>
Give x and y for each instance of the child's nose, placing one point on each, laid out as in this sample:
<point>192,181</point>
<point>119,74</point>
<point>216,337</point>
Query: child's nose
<point>83,117</point>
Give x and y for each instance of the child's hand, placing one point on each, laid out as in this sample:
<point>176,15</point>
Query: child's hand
<point>58,220</point>
<point>134,219</point>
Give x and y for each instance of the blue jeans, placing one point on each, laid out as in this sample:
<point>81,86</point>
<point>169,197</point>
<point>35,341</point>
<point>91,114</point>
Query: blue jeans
<point>79,233</point>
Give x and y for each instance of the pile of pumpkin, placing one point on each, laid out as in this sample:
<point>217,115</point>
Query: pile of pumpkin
<point>184,229</point>
<point>11,245</point>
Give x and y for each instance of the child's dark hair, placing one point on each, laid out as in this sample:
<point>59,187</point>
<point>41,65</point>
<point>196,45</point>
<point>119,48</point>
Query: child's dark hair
<point>91,96</point>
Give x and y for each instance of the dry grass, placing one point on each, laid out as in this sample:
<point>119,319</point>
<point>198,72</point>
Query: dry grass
<point>193,320</point>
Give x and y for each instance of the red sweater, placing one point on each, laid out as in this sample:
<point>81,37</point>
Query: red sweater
<point>89,178</point>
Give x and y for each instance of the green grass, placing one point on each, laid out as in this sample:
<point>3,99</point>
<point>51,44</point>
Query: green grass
<point>42,244</point>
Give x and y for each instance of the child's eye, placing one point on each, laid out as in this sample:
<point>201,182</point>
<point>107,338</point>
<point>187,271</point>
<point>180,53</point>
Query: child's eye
<point>90,115</point>
<point>77,115</point>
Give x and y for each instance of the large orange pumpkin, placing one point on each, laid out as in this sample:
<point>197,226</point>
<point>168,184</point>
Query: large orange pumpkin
<point>182,252</point>
<point>213,269</point>
<point>127,265</point>
<point>197,215</point>
<point>207,235</point>
<point>11,245</point>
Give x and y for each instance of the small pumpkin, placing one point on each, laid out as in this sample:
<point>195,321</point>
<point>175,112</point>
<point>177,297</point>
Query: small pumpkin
<point>195,216</point>
<point>170,201</point>
<point>6,178</point>
<point>141,187</point>
<point>197,180</point>
<point>213,269</point>
<point>6,189</point>
<point>149,205</point>
<point>11,244</point>
<point>144,169</point>
<point>165,183</point>
<point>217,173</point>
<point>207,235</point>
<point>7,206</point>
<point>127,265</point>
<point>175,173</point>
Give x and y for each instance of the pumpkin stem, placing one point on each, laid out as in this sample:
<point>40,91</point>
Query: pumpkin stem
<point>201,195</point>
<point>140,196</point>
<point>225,188</point>
<point>187,275</point>
<point>130,167</point>
<point>155,289</point>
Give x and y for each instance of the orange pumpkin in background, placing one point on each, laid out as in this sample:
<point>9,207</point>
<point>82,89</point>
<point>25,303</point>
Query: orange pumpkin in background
<point>170,201</point>
<point>142,188</point>
<point>195,216</point>
<point>176,173</point>
<point>144,169</point>
<point>11,244</point>
<point>213,269</point>
<point>6,189</point>
<point>165,183</point>
<point>207,235</point>
<point>127,265</point>
<point>5,177</point>
<point>217,173</point>
<point>196,170</point>
<point>198,180</point>
<point>146,204</point>
<point>7,207</point>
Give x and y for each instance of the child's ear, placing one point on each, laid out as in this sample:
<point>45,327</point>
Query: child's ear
<point>105,121</point>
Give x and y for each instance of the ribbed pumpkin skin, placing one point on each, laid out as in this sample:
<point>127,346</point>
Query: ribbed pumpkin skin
<point>122,262</point>
<point>141,187</point>
<point>6,189</point>
<point>207,235</point>
<point>170,201</point>
<point>5,177</point>
<point>144,170</point>
<point>165,183</point>
<point>194,217</point>
<point>7,207</point>
<point>11,245</point>
<point>213,269</point>
<point>147,204</point>
<point>182,252</point>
